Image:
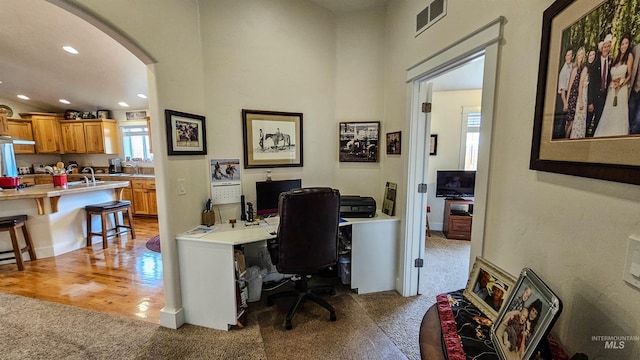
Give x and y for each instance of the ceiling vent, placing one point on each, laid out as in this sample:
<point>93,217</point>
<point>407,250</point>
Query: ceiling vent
<point>436,10</point>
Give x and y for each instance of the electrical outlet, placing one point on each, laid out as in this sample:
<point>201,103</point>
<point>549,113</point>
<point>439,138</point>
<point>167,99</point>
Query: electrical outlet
<point>181,187</point>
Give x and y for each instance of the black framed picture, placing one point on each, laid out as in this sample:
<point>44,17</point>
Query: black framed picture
<point>186,134</point>
<point>394,143</point>
<point>433,144</point>
<point>272,139</point>
<point>359,141</point>
<point>587,114</point>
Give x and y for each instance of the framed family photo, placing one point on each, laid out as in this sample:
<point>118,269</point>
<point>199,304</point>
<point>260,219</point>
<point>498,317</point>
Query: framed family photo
<point>394,142</point>
<point>587,113</point>
<point>359,141</point>
<point>186,133</point>
<point>526,318</point>
<point>272,139</point>
<point>488,287</point>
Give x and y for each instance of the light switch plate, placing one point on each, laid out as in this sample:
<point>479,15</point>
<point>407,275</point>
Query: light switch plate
<point>181,187</point>
<point>632,264</point>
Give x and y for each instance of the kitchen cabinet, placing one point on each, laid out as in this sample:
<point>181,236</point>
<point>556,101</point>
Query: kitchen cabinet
<point>4,128</point>
<point>99,136</point>
<point>73,138</point>
<point>21,129</point>
<point>46,132</point>
<point>144,196</point>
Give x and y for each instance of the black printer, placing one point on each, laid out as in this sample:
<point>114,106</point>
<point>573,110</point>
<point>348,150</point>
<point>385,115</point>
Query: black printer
<point>354,206</point>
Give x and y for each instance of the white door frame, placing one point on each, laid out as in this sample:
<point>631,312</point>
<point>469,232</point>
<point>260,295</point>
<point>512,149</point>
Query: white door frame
<point>485,40</point>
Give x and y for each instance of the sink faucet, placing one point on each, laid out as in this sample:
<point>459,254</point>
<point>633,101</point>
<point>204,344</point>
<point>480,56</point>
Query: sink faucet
<point>93,175</point>
<point>70,168</point>
<point>86,180</point>
<point>132,165</point>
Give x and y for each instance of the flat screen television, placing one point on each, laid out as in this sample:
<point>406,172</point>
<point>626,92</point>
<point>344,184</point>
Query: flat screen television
<point>267,193</point>
<point>455,184</point>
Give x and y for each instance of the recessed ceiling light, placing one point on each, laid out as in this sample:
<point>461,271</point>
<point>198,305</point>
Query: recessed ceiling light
<point>23,97</point>
<point>65,101</point>
<point>0,81</point>
<point>142,96</point>
<point>70,50</point>
<point>122,103</point>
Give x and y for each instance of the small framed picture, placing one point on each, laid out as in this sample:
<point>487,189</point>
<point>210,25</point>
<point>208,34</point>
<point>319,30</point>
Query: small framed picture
<point>488,287</point>
<point>186,133</point>
<point>433,145</point>
<point>526,318</point>
<point>103,114</point>
<point>394,142</point>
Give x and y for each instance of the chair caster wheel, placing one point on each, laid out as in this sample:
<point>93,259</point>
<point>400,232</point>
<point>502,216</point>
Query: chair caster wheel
<point>288,325</point>
<point>332,317</point>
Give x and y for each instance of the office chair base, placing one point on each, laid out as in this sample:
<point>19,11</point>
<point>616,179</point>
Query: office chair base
<point>301,296</point>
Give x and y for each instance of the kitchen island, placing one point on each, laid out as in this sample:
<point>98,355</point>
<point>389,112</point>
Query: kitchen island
<point>57,220</point>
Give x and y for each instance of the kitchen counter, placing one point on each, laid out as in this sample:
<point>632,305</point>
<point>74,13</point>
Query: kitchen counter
<point>58,226</point>
<point>41,192</point>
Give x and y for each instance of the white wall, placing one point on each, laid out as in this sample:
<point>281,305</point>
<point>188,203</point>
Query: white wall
<point>446,122</point>
<point>572,231</point>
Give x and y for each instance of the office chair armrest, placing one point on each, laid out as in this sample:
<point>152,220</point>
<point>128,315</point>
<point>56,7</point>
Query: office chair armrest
<point>272,246</point>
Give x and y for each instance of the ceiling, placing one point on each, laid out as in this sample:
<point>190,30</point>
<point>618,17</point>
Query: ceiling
<point>104,73</point>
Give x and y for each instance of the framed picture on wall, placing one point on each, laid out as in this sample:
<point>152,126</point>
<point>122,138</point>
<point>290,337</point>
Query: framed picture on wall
<point>394,143</point>
<point>186,133</point>
<point>272,139</point>
<point>433,144</point>
<point>359,141</point>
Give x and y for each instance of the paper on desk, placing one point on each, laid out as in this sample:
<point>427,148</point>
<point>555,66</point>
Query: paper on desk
<point>199,231</point>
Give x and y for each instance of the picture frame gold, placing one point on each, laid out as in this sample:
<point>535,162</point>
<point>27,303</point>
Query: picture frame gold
<point>272,139</point>
<point>485,280</point>
<point>609,158</point>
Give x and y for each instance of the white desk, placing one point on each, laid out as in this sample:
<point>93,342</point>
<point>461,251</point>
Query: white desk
<point>207,277</point>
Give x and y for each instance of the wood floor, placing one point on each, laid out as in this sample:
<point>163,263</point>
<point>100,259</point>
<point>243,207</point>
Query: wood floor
<point>124,280</point>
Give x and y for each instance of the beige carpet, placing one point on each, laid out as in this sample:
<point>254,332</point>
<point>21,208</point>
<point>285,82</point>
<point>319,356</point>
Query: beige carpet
<point>372,326</point>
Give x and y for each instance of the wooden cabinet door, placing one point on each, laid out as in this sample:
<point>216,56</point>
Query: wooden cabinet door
<point>46,133</point>
<point>94,137</point>
<point>4,127</point>
<point>153,205</point>
<point>21,129</point>
<point>73,138</point>
<point>127,194</point>
<point>140,199</point>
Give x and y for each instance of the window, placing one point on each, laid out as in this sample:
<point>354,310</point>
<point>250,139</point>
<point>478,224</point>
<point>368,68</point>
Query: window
<point>470,138</point>
<point>135,143</point>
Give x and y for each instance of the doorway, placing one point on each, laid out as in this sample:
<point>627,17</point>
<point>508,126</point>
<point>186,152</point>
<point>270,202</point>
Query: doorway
<point>483,42</point>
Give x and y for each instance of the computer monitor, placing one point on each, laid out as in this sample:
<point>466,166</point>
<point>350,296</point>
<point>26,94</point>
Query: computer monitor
<point>267,193</point>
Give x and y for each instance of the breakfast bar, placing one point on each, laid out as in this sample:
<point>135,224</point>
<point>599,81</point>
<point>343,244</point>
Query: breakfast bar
<point>56,214</point>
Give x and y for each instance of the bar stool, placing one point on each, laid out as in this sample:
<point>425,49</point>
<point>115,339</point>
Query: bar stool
<point>11,224</point>
<point>104,209</point>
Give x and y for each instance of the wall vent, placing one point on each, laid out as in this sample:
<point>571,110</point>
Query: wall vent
<point>436,10</point>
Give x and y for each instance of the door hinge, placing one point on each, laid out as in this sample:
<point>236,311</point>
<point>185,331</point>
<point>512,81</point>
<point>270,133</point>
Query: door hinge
<point>422,188</point>
<point>426,107</point>
<point>419,263</point>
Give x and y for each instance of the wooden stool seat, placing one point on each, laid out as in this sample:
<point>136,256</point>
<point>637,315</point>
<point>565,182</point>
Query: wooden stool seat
<point>104,209</point>
<point>11,224</point>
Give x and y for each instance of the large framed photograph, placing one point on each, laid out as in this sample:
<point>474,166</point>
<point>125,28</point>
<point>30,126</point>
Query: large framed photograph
<point>272,139</point>
<point>359,141</point>
<point>487,287</point>
<point>186,133</point>
<point>394,143</point>
<point>527,318</point>
<point>587,114</point>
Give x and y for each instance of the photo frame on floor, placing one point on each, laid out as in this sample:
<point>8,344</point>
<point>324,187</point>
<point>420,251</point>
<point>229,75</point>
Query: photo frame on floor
<point>527,317</point>
<point>488,287</point>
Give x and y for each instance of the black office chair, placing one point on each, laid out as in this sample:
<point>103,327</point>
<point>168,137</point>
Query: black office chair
<point>307,242</point>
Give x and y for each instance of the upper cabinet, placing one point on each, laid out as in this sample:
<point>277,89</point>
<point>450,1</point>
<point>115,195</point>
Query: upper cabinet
<point>46,132</point>
<point>4,128</point>
<point>21,129</point>
<point>98,136</point>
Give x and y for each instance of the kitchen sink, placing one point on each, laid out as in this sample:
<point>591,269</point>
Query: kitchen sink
<point>82,183</point>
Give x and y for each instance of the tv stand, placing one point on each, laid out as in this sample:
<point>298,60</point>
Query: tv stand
<point>457,223</point>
